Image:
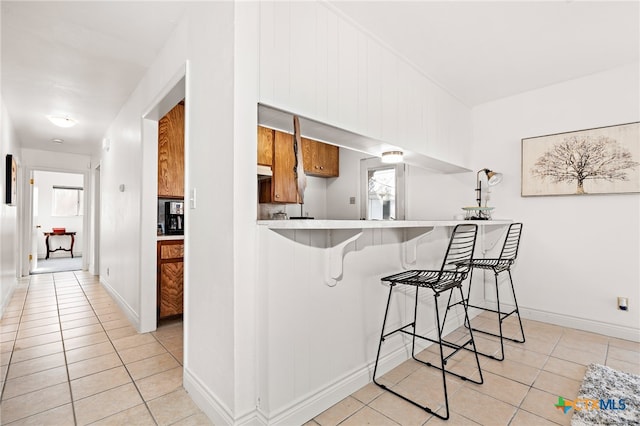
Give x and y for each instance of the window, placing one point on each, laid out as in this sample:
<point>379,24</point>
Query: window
<point>382,190</point>
<point>67,201</point>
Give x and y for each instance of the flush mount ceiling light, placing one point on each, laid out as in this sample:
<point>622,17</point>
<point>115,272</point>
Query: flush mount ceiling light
<point>62,121</point>
<point>392,157</point>
<point>58,141</point>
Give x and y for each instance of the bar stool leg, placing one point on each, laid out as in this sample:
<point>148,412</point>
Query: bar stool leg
<point>500,318</point>
<point>442,360</point>
<point>473,341</point>
<point>382,336</point>
<point>517,310</point>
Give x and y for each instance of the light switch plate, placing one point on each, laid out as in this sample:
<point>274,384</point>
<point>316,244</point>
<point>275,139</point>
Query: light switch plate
<point>192,199</point>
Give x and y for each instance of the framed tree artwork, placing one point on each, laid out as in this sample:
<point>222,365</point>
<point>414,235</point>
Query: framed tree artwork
<point>603,160</point>
<point>11,179</point>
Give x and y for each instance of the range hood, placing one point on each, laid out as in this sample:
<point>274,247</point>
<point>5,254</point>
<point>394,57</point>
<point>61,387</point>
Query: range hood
<point>264,171</point>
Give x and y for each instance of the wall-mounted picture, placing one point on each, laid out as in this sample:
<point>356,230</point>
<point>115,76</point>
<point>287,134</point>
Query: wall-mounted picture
<point>604,160</point>
<point>11,187</point>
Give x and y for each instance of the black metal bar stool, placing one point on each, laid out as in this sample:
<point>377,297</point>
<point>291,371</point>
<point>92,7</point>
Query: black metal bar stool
<point>503,263</point>
<point>453,272</point>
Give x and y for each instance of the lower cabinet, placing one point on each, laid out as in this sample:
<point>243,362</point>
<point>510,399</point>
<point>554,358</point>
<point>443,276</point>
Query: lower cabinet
<point>170,278</point>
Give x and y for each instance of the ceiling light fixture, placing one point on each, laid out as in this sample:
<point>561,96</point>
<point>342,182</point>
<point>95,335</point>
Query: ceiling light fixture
<point>58,141</point>
<point>62,121</point>
<point>392,157</point>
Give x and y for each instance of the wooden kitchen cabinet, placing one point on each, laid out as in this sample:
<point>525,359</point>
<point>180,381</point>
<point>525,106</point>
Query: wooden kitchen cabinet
<point>171,154</point>
<point>320,159</point>
<point>275,149</point>
<point>265,146</point>
<point>170,278</point>
<point>281,187</point>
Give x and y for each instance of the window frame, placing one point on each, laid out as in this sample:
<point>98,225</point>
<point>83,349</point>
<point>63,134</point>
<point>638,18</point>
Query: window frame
<point>79,205</point>
<point>375,163</point>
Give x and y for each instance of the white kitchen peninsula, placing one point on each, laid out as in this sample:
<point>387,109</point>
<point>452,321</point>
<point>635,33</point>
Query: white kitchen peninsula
<point>339,233</point>
<point>320,303</point>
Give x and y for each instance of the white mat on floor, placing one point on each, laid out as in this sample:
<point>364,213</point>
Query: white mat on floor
<point>619,393</point>
<point>58,264</point>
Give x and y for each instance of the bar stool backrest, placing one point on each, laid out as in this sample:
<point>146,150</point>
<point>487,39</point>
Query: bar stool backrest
<point>460,250</point>
<point>511,242</point>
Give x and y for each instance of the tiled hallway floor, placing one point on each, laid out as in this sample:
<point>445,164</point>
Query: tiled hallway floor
<point>70,356</point>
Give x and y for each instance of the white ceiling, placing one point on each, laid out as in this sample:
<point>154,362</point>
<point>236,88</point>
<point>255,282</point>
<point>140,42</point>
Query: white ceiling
<point>486,50</point>
<point>84,58</point>
<point>81,59</point>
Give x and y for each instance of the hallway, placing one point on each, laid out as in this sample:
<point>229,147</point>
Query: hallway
<point>70,356</point>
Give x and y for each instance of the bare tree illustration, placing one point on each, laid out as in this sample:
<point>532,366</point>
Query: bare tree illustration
<point>581,158</point>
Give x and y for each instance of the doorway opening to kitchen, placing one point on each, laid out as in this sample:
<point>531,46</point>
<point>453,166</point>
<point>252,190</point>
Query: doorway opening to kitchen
<point>165,218</point>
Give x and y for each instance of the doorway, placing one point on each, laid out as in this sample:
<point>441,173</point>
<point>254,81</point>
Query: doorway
<point>173,93</point>
<point>58,210</point>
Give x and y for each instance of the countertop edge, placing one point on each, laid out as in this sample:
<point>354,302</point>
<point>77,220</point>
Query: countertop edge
<point>170,237</point>
<point>371,224</point>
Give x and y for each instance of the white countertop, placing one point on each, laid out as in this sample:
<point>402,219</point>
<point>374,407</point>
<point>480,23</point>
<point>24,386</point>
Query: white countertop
<point>170,237</point>
<point>370,224</point>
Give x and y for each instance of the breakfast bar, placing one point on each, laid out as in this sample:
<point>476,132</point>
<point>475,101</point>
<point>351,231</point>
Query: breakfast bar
<point>319,299</point>
<point>339,233</point>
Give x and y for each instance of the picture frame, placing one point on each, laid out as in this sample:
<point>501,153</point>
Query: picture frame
<point>601,160</point>
<point>11,180</point>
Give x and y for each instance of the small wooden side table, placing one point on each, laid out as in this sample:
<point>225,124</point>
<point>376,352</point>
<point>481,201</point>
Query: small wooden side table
<point>56,234</point>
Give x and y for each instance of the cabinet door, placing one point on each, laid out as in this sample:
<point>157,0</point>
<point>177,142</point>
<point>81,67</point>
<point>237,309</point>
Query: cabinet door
<point>283,182</point>
<point>265,146</point>
<point>171,154</point>
<point>171,288</point>
<point>320,159</point>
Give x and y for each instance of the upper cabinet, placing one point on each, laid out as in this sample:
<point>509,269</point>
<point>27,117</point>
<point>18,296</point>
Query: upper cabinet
<point>320,159</point>
<point>171,153</point>
<point>275,149</point>
<point>281,187</point>
<point>265,146</point>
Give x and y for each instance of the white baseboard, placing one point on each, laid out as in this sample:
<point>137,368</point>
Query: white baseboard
<point>131,314</point>
<point>585,324</point>
<point>8,296</point>
<point>309,406</point>
<point>219,413</point>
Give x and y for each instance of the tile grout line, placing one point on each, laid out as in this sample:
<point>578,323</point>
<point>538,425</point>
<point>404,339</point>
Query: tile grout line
<point>119,357</point>
<point>13,346</point>
<point>64,352</point>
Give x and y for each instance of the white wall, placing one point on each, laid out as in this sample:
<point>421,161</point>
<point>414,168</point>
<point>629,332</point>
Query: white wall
<point>9,247</point>
<point>203,42</point>
<point>317,63</point>
<point>45,181</point>
<point>578,252</point>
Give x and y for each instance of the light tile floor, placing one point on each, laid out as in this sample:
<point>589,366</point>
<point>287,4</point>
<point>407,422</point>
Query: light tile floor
<point>68,355</point>
<point>521,390</point>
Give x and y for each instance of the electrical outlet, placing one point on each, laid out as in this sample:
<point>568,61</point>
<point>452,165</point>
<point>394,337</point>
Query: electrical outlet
<point>352,200</point>
<point>623,303</point>
<point>107,271</point>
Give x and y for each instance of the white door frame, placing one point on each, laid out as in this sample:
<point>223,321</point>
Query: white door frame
<point>172,93</point>
<point>27,215</point>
